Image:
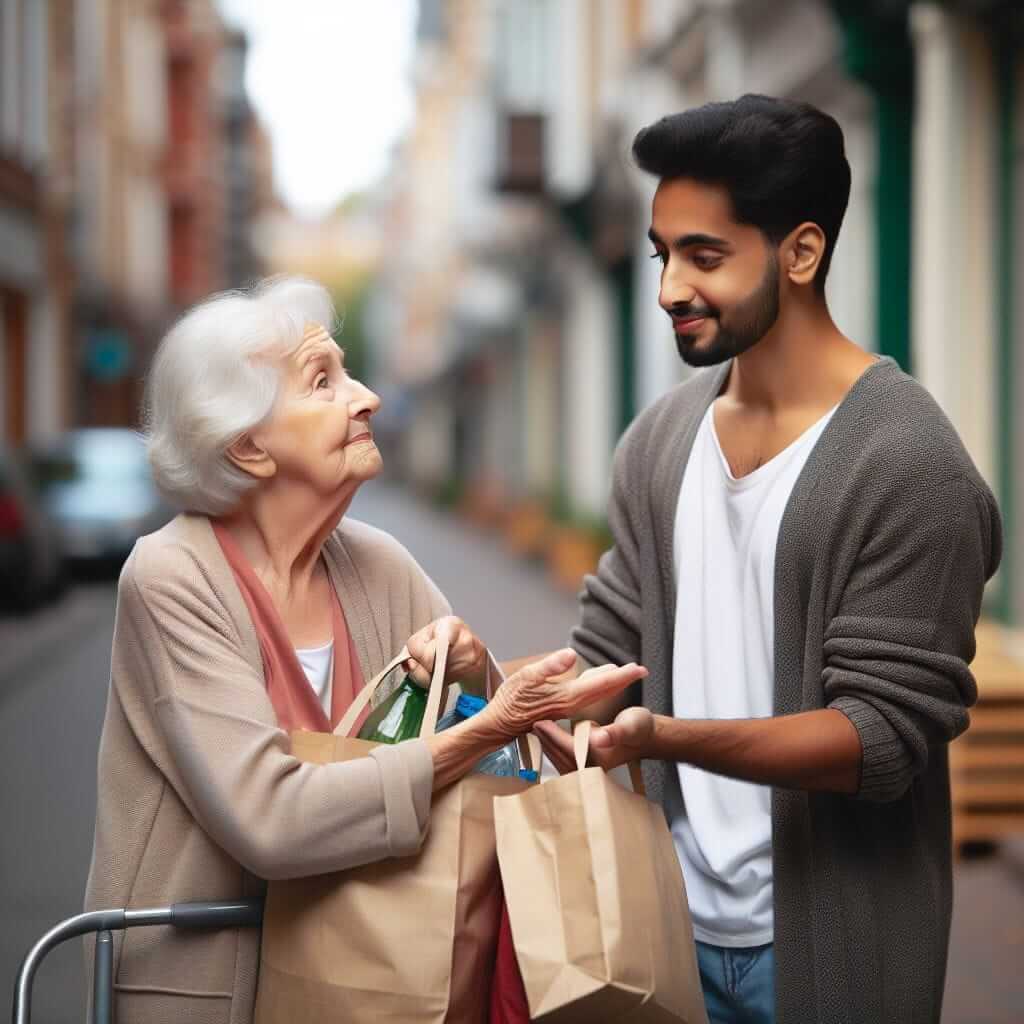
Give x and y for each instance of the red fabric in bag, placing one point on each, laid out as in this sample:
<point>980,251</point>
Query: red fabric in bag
<point>508,997</point>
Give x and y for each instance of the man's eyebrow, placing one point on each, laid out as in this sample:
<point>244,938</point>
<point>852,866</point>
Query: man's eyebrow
<point>694,238</point>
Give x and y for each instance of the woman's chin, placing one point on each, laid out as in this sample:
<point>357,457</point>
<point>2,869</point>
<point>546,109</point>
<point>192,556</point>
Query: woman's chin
<point>369,464</point>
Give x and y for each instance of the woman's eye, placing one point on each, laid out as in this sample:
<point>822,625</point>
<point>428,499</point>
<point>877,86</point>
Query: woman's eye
<point>321,381</point>
<point>658,256</point>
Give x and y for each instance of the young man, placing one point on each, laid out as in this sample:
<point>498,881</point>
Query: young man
<point>801,546</point>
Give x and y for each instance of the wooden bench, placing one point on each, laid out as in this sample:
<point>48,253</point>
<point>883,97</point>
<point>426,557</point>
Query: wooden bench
<point>987,761</point>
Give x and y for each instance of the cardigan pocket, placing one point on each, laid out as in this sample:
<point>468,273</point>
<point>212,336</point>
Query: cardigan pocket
<point>180,864</point>
<point>142,1006</point>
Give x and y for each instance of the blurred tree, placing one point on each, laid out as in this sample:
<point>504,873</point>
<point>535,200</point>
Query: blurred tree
<point>350,299</point>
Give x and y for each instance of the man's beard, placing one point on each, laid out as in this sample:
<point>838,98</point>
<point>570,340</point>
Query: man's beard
<point>749,321</point>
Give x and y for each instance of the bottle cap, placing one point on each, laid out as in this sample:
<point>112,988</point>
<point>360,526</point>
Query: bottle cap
<point>529,774</point>
<point>467,705</point>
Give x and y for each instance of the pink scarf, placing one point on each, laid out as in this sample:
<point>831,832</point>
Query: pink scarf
<point>295,703</point>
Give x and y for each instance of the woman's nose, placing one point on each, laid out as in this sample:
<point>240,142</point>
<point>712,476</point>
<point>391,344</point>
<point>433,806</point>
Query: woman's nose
<point>364,403</point>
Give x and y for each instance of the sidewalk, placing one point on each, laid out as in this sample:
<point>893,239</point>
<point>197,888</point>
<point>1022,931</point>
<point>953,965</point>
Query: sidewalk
<point>509,604</point>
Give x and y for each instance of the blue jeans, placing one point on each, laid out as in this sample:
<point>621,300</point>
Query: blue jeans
<point>739,984</point>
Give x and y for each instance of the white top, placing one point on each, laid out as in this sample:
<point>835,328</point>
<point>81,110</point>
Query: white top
<point>318,664</point>
<point>725,536</point>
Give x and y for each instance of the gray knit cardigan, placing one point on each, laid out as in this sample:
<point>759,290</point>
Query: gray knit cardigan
<point>883,553</point>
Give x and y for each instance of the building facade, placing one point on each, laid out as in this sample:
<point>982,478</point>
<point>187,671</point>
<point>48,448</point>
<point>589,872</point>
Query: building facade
<point>526,310</point>
<point>35,172</point>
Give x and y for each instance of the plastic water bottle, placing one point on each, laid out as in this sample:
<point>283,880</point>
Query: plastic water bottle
<point>399,718</point>
<point>501,762</point>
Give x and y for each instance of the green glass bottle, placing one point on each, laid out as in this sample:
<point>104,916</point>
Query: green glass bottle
<point>399,717</point>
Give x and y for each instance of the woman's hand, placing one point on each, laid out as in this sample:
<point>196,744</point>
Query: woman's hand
<point>627,739</point>
<point>467,656</point>
<point>532,696</point>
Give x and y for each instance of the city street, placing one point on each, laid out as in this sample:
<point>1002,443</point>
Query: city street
<point>53,679</point>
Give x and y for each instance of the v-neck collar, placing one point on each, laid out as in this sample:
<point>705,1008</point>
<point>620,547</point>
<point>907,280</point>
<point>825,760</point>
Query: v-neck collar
<point>708,386</point>
<point>349,588</point>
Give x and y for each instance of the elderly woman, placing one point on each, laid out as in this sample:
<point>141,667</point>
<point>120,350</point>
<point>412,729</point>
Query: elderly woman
<point>257,610</point>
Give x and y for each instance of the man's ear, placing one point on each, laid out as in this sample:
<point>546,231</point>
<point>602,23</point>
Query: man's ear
<point>249,457</point>
<point>803,251</point>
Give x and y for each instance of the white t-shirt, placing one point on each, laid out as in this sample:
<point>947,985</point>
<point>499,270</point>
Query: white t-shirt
<point>724,550</point>
<point>318,664</point>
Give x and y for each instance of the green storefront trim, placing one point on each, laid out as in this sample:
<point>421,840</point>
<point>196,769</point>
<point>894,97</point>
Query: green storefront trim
<point>877,51</point>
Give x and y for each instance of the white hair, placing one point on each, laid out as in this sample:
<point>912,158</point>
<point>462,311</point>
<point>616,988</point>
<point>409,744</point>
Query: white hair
<point>212,381</point>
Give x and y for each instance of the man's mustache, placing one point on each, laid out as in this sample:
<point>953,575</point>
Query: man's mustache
<point>685,310</point>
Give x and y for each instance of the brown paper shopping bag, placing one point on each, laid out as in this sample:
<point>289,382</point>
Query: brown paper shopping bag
<point>408,939</point>
<point>597,902</point>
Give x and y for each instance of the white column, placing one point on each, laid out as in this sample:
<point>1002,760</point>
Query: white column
<point>540,408</point>
<point>976,417</point>
<point>659,367</point>
<point>725,56</point>
<point>568,142</point>
<point>427,444</point>
<point>851,283</point>
<point>43,370</point>
<point>953,231</point>
<point>35,76</point>
<point>11,80</point>
<point>647,96</point>
<point>590,396</point>
<point>937,176</point>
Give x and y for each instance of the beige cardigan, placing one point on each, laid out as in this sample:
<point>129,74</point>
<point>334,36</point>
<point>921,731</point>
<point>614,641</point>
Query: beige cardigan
<point>198,795</point>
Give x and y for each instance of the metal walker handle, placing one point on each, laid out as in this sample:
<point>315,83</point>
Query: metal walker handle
<point>226,914</point>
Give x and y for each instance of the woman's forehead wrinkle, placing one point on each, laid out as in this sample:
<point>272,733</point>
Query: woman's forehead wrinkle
<point>312,331</point>
<point>315,341</point>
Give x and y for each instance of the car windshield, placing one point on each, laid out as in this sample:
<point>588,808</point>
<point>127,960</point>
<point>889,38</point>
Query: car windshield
<point>100,458</point>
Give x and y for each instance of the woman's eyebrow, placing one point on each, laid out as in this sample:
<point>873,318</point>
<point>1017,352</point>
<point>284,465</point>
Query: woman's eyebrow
<point>323,352</point>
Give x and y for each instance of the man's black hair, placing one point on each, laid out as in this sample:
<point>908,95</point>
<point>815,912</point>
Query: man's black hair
<point>781,162</point>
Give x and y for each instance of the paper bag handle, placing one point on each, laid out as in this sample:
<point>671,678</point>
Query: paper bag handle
<point>529,746</point>
<point>362,698</point>
<point>529,751</point>
<point>438,696</point>
<point>581,747</point>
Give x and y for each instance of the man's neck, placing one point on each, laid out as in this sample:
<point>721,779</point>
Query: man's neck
<point>805,362</point>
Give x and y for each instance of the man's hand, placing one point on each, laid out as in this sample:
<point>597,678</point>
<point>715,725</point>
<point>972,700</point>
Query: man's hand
<point>818,751</point>
<point>627,739</point>
<point>467,656</point>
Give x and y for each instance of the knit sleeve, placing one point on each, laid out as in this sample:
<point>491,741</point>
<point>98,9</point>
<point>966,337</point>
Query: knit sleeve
<point>229,761</point>
<point>897,653</point>
<point>610,601</point>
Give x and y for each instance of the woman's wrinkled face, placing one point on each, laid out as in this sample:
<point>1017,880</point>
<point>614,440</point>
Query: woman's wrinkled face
<point>319,432</point>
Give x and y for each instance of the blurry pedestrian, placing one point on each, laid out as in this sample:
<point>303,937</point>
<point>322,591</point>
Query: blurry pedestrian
<point>801,543</point>
<point>258,610</point>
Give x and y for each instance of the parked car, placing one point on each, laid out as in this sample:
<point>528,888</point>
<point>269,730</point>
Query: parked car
<point>30,557</point>
<point>97,487</point>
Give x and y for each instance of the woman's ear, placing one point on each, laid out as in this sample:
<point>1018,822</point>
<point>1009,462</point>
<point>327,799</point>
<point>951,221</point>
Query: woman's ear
<point>804,249</point>
<point>249,457</point>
